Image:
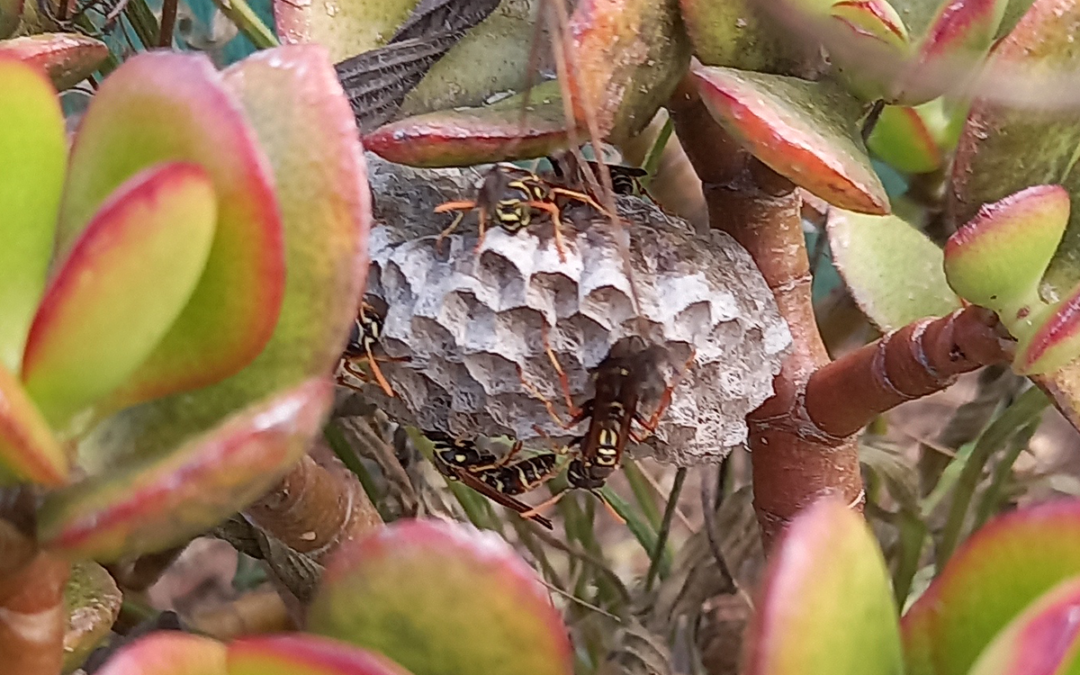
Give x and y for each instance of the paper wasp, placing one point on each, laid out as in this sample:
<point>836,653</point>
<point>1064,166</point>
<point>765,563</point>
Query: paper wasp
<point>512,196</point>
<point>625,180</point>
<point>497,479</point>
<point>364,337</point>
<point>629,374</point>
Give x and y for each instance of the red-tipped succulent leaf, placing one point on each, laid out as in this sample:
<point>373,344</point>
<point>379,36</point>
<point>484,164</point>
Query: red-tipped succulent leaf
<point>997,258</point>
<point>33,153</point>
<point>160,107</point>
<point>1043,640</point>
<point>305,655</point>
<point>67,58</point>
<point>467,136</point>
<point>120,289</point>
<point>1055,341</point>
<point>169,653</point>
<point>440,597</point>
<point>845,620</point>
<point>156,503</point>
<point>991,579</point>
<point>805,131</point>
<point>28,449</point>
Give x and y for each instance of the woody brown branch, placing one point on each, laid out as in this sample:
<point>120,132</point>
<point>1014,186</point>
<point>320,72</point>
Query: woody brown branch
<point>803,438</point>
<point>919,359</point>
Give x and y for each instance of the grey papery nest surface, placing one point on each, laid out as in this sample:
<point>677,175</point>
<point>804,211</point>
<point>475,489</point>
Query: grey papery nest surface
<point>471,324</point>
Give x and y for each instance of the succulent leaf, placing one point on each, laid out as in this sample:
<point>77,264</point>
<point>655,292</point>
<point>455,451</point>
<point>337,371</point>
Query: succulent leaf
<point>33,154</point>
<point>993,576</point>
<point>845,621</point>
<point>120,289</point>
<point>28,449</point>
<point>160,107</point>
<point>67,58</point>
<point>805,131</point>
<point>441,599</point>
<point>893,271</point>
<point>305,655</point>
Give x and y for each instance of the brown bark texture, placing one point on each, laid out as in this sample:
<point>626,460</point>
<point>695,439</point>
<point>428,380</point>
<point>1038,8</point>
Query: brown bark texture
<point>803,439</point>
<point>32,617</point>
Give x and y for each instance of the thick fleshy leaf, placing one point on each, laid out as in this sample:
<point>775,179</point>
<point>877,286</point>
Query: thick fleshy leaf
<point>914,140</point>
<point>1006,148</point>
<point>1063,387</point>
<point>93,603</point>
<point>1055,340</point>
<point>345,27</point>
<point>468,136</point>
<point>489,59</point>
<point>806,131</point>
<point>997,258</point>
<point>958,38</point>
<point>305,655</point>
<point>737,34</point>
<point>893,271</point>
<point>1044,640</point>
<point>862,32</point>
<point>121,287</point>
<point>151,505</point>
<point>169,653</point>
<point>295,103</point>
<point>67,58</point>
<point>441,598</point>
<point>629,55</point>
<point>33,154</point>
<point>999,571</point>
<point>160,107</point>
<point>28,449</point>
<point>845,620</point>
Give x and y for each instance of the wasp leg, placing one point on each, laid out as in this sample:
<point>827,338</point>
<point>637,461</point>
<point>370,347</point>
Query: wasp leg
<point>377,372</point>
<point>556,222</point>
<point>462,207</point>
<point>544,505</point>
<point>665,400</point>
<point>482,228</point>
<point>564,381</point>
<point>514,450</point>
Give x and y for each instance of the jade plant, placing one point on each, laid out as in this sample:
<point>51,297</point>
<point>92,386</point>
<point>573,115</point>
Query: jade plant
<point>420,597</point>
<point>1005,603</point>
<point>177,287</point>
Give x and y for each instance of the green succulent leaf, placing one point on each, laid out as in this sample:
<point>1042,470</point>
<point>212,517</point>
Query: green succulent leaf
<point>169,653</point>
<point>916,139</point>
<point>28,449</point>
<point>295,104</point>
<point>805,131</point>
<point>738,34</point>
<point>893,271</point>
<point>1045,638</point>
<point>33,154</point>
<point>1007,147</point>
<point>989,581</point>
<point>845,620</point>
<point>345,27</point>
<point>157,503</point>
<point>119,290</point>
<point>305,655</point>
<point>441,599</point>
<point>1055,340</point>
<point>161,107</point>
<point>997,258</point>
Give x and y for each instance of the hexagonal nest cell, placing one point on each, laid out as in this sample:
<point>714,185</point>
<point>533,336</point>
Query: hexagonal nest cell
<point>473,323</point>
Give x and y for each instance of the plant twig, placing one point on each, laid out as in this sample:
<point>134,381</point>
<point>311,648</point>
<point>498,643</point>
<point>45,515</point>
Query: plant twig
<point>665,528</point>
<point>249,23</point>
<point>168,22</point>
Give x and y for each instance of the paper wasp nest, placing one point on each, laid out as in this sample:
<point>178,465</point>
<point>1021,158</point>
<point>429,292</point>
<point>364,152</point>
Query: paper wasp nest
<point>471,323</point>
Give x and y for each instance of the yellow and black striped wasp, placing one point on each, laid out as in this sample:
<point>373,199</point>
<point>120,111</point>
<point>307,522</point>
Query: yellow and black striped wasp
<point>625,180</point>
<point>629,374</point>
<point>498,479</point>
<point>512,196</point>
<point>364,338</point>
